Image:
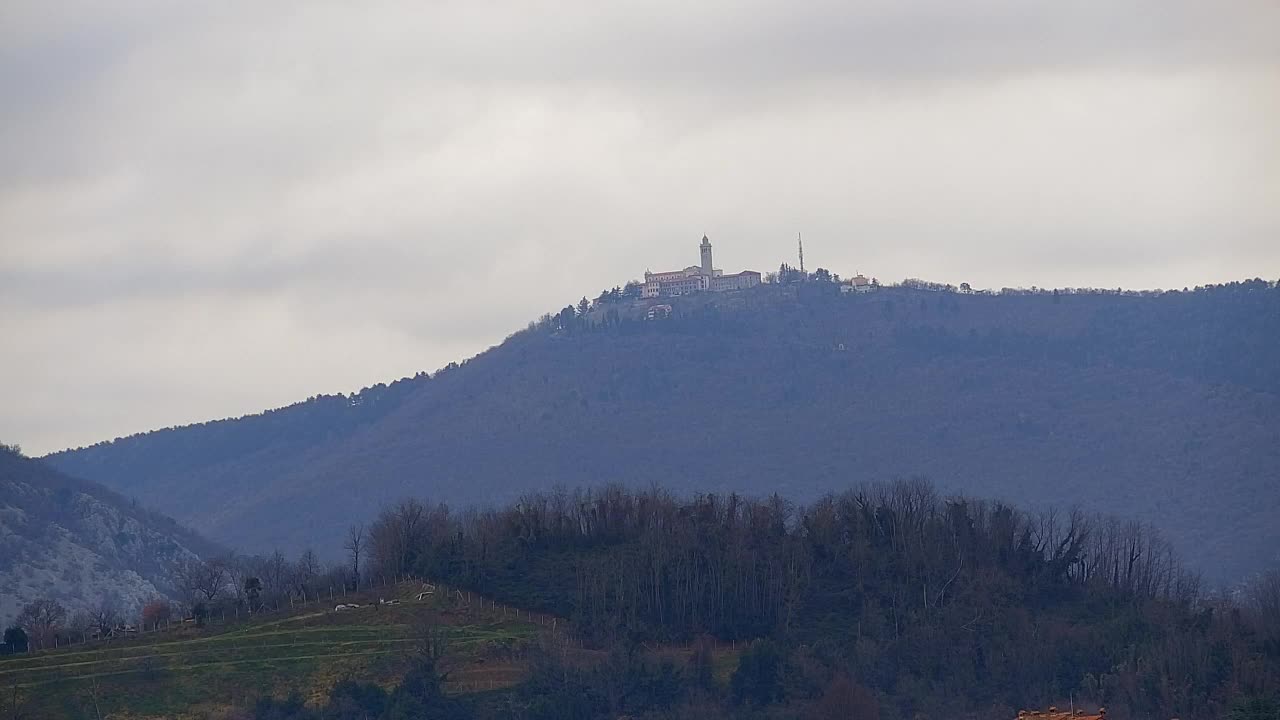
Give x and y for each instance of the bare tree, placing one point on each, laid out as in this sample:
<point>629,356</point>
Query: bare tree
<point>396,538</point>
<point>355,546</point>
<point>306,571</point>
<point>17,702</point>
<point>42,618</point>
<point>1262,597</point>
<point>275,572</point>
<point>430,635</point>
<point>106,615</point>
<point>201,580</point>
<point>94,703</point>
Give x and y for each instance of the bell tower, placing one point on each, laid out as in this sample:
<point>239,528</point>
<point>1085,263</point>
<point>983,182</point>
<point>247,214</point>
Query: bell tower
<point>707,267</point>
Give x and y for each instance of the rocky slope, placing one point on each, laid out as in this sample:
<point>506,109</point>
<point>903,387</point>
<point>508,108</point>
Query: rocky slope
<point>79,543</point>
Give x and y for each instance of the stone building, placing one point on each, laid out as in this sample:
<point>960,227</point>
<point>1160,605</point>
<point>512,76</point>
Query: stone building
<point>697,278</point>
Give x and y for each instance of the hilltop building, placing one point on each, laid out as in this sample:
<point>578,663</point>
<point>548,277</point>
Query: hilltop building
<point>697,278</point>
<point>858,284</point>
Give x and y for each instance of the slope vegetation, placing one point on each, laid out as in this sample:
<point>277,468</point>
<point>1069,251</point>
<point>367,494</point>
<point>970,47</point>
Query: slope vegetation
<point>79,543</point>
<point>191,671</point>
<point>1162,407</point>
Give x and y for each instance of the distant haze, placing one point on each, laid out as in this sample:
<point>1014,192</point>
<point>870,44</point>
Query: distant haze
<point>206,210</point>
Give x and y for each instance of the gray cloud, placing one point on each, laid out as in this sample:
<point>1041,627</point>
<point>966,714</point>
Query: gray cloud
<point>206,210</point>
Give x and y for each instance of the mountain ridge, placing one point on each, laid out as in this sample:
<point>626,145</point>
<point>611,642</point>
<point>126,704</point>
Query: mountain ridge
<point>1162,404</point>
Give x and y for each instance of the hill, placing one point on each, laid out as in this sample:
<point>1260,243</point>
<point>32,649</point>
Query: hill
<point>81,544</point>
<point>1160,406</point>
<point>884,602</point>
<point>198,672</point>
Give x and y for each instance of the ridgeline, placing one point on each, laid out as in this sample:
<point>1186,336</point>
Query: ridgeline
<point>1164,407</point>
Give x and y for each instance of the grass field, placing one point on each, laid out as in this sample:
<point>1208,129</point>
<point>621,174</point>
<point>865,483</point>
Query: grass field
<point>197,673</point>
<point>192,672</point>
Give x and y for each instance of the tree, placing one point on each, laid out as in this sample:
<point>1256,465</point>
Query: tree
<point>633,289</point>
<point>431,638</point>
<point>253,593</point>
<point>93,699</point>
<point>421,695</point>
<point>787,274</point>
<point>308,569</point>
<point>584,305</point>
<point>17,702</point>
<point>566,318</point>
<point>1262,597</point>
<point>41,618</point>
<point>397,537</point>
<point>702,663</point>
<point>274,573</point>
<point>355,545</point>
<point>15,640</point>
<point>199,580</point>
<point>1255,709</point>
<point>846,700</point>
<point>155,611</point>
<point>350,700</point>
<point>291,708</point>
<point>106,616</point>
<point>80,624</point>
<point>758,678</point>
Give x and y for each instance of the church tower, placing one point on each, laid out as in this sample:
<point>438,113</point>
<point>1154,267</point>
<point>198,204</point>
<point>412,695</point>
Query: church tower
<point>707,267</point>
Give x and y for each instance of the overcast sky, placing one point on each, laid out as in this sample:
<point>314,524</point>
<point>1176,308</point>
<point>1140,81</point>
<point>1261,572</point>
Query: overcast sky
<point>210,210</point>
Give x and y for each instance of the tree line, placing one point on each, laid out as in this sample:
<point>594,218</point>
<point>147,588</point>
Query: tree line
<point>932,602</point>
<point>892,597</point>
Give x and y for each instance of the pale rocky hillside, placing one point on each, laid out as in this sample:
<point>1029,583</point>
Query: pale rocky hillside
<point>77,542</point>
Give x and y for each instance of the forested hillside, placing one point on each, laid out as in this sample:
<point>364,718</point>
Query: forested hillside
<point>884,601</point>
<point>1160,406</point>
<point>81,545</point>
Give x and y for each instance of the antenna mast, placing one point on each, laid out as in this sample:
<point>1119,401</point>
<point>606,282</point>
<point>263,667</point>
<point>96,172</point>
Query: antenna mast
<point>800,241</point>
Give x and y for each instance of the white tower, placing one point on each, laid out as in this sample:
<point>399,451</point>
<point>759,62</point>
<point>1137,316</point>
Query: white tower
<point>707,267</point>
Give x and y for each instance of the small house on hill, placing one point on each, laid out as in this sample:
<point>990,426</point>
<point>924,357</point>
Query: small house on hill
<point>858,284</point>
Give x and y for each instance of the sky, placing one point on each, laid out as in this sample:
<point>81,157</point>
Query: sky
<point>211,209</point>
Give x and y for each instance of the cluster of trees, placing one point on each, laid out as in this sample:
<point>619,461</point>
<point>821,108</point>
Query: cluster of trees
<point>892,600</point>
<point>46,623</point>
<point>788,275</point>
<point>420,694</point>
<point>235,584</point>
<point>219,586</point>
<point>931,603</point>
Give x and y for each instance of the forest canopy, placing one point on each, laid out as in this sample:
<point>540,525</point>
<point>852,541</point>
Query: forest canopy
<point>935,604</point>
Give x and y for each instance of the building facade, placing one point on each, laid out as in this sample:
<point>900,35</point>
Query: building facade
<point>859,284</point>
<point>697,278</point>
